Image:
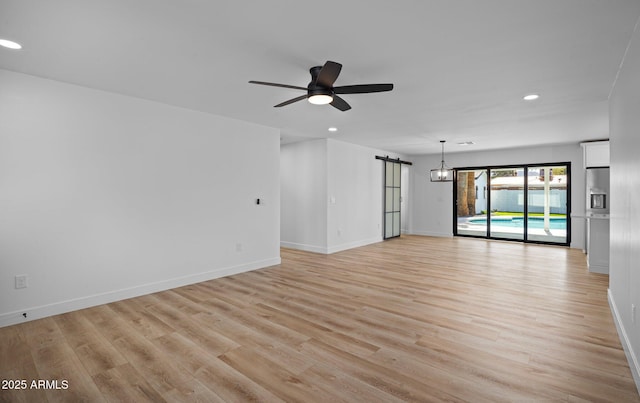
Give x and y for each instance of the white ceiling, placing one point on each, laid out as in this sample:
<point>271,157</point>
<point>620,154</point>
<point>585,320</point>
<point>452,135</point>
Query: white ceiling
<point>460,67</point>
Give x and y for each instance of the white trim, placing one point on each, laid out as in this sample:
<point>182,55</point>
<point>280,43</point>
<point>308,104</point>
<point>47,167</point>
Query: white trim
<point>329,250</point>
<point>38,312</point>
<point>435,234</point>
<point>624,339</point>
<point>598,268</point>
<point>304,247</point>
<point>351,245</point>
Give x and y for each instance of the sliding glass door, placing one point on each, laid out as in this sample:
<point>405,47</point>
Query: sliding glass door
<point>525,203</point>
<point>547,204</point>
<point>392,199</point>
<point>507,203</point>
<point>471,206</point>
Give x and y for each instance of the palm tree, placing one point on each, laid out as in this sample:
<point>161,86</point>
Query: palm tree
<point>466,188</point>
<point>471,193</point>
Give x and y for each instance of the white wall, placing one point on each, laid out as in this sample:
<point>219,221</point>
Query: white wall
<point>104,197</point>
<point>331,195</point>
<point>432,202</point>
<point>624,264</point>
<point>355,196</point>
<point>303,209</point>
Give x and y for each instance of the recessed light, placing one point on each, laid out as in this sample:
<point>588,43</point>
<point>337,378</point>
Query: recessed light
<point>10,44</point>
<point>531,97</point>
<point>333,129</point>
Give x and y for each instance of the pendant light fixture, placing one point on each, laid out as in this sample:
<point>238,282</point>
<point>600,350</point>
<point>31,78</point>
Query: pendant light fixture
<point>443,173</point>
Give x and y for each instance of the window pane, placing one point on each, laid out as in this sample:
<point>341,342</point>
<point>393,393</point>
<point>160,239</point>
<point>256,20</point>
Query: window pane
<point>396,199</point>
<point>547,204</point>
<point>396,224</point>
<point>388,225</point>
<point>388,205</point>
<point>506,219</point>
<point>389,173</point>
<point>471,204</point>
<point>396,174</point>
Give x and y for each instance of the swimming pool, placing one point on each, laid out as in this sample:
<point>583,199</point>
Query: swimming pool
<point>518,222</point>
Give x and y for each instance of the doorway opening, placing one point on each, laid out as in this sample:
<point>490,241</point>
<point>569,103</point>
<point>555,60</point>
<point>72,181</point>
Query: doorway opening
<point>528,203</point>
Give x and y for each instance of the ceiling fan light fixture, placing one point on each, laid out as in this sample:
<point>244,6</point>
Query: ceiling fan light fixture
<point>320,99</point>
<point>320,95</point>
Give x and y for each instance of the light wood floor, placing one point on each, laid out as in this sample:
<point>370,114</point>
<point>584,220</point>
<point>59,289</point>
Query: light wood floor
<point>411,319</point>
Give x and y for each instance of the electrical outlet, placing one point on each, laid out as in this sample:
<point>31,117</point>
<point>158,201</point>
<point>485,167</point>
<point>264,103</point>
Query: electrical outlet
<point>21,281</point>
<point>238,247</point>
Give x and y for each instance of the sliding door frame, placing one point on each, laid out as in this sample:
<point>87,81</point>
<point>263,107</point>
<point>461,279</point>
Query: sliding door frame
<point>393,199</point>
<point>526,167</point>
<point>395,209</point>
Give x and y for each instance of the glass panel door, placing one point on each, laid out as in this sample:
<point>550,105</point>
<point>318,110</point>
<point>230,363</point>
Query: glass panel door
<point>547,204</point>
<point>471,202</point>
<point>507,203</point>
<point>392,173</point>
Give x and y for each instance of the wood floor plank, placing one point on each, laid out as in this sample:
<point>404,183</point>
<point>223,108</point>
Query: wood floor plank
<point>234,386</point>
<point>410,319</point>
<point>386,379</point>
<point>151,363</point>
<point>17,365</point>
<point>125,384</point>
<point>282,382</point>
<point>339,386</point>
<point>94,351</point>
<point>57,362</point>
<point>432,369</point>
<point>144,322</point>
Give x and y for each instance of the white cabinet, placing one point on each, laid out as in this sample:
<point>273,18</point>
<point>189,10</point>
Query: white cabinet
<point>595,154</point>
<point>598,244</point>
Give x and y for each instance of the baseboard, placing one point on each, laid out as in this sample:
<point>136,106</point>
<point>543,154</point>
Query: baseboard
<point>329,250</point>
<point>304,247</point>
<point>351,245</point>
<point>435,234</point>
<point>624,339</point>
<point>598,268</point>
<point>38,312</point>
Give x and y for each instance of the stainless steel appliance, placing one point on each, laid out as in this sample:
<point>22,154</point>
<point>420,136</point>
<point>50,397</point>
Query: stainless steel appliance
<point>598,190</point>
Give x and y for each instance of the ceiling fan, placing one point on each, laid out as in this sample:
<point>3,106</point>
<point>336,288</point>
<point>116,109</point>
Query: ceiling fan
<point>321,91</point>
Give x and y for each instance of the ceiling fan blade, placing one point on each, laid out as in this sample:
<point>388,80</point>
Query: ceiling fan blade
<point>328,74</point>
<point>340,103</point>
<point>362,88</point>
<point>296,99</point>
<point>278,85</point>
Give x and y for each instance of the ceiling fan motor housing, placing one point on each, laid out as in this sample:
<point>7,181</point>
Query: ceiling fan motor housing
<point>314,88</point>
<point>317,90</point>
